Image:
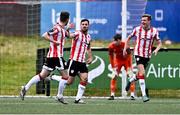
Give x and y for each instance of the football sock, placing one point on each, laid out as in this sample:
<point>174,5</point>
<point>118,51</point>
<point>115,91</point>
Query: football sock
<point>132,94</point>
<point>33,80</point>
<point>62,85</point>
<point>142,86</point>
<point>113,86</point>
<point>132,87</point>
<point>81,89</point>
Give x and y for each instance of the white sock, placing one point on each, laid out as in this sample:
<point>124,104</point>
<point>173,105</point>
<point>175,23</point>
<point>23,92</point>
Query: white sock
<point>80,92</point>
<point>62,85</point>
<point>112,94</point>
<point>132,94</point>
<point>33,80</point>
<point>142,86</point>
<point>56,77</point>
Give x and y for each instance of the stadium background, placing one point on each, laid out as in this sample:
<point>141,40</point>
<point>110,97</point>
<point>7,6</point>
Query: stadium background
<point>22,23</point>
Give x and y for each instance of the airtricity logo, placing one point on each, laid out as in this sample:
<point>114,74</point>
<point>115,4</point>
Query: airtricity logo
<point>162,71</point>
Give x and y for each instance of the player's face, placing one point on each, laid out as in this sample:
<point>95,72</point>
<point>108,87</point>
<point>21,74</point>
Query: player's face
<point>84,26</point>
<point>117,42</point>
<point>67,22</point>
<point>145,22</point>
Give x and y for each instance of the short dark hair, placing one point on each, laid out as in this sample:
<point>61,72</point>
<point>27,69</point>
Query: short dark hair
<point>83,20</point>
<point>64,16</point>
<point>147,15</point>
<point>117,37</point>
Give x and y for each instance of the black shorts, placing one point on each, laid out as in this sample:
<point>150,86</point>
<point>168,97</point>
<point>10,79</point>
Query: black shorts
<point>75,67</point>
<point>55,63</point>
<point>142,60</point>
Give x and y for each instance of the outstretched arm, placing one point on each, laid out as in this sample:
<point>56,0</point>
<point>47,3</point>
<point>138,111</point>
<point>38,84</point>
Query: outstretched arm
<point>126,45</point>
<point>68,34</point>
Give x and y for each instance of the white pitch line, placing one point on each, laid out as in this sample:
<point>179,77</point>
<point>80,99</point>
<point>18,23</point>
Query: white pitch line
<point>93,97</point>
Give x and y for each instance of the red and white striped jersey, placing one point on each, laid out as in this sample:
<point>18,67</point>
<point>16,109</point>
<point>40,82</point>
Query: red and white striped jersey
<point>144,41</point>
<point>57,50</point>
<point>79,46</point>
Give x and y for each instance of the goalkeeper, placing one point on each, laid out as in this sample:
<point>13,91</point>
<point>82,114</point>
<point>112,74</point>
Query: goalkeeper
<point>117,61</point>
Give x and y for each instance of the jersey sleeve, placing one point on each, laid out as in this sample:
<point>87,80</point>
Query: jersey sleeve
<point>133,33</point>
<point>157,35</point>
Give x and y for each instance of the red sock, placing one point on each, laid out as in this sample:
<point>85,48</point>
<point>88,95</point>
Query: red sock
<point>113,85</point>
<point>83,83</point>
<point>132,87</point>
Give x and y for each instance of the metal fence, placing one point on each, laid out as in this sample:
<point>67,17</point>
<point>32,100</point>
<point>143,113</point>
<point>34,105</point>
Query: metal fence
<point>19,18</point>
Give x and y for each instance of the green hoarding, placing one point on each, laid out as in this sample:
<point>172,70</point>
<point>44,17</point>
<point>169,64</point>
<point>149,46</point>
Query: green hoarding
<point>163,71</point>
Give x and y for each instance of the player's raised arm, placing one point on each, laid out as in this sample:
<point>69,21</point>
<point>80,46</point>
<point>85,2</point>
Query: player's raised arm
<point>69,26</point>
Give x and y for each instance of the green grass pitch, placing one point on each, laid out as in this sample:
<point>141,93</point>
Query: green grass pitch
<point>93,106</point>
